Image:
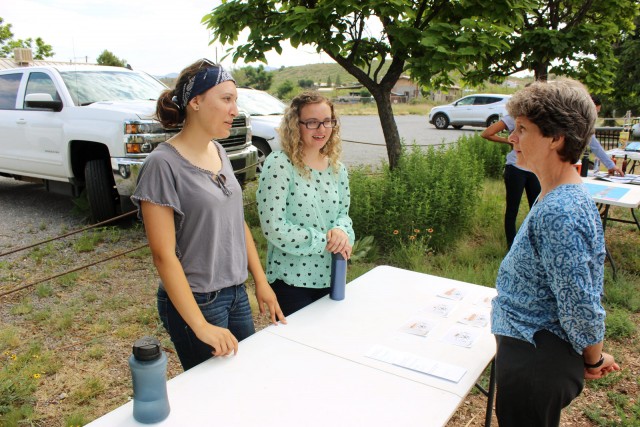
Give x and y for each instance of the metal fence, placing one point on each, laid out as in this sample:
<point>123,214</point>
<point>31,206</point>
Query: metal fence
<point>608,136</point>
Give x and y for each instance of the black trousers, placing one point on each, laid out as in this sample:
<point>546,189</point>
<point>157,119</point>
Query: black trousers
<point>515,182</point>
<point>293,298</point>
<point>534,383</point>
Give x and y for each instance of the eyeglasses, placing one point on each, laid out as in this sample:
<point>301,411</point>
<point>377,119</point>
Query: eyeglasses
<point>315,124</point>
<point>220,180</point>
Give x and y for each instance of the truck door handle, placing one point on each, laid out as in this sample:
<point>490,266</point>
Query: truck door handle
<point>21,121</point>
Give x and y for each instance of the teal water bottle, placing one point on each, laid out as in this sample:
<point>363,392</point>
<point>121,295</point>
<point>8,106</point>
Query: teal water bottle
<point>148,365</point>
<point>338,277</point>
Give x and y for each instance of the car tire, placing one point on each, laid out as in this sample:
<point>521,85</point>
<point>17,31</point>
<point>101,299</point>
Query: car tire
<point>457,127</point>
<point>101,193</point>
<point>441,121</point>
<point>493,119</point>
<point>263,151</point>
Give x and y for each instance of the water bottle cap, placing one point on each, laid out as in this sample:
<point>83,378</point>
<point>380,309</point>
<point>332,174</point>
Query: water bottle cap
<point>146,348</point>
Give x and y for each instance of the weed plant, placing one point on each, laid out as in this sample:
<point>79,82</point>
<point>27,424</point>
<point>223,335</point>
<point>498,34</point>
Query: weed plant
<point>436,190</point>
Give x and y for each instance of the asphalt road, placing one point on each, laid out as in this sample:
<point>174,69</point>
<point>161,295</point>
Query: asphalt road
<point>363,140</point>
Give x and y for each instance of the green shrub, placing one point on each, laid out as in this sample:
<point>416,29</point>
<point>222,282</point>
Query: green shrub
<point>436,190</point>
<point>491,154</point>
<point>619,324</point>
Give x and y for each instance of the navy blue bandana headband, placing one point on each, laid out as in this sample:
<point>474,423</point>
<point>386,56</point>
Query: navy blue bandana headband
<point>206,78</point>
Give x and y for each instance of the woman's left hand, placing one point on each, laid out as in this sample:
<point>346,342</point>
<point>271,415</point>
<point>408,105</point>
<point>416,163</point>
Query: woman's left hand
<point>609,365</point>
<point>266,297</point>
<point>338,241</point>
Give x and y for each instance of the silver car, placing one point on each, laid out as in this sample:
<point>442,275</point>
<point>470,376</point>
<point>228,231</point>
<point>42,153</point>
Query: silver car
<point>266,114</point>
<point>473,110</point>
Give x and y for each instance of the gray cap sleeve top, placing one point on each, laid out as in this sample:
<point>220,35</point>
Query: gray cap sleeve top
<point>209,226</point>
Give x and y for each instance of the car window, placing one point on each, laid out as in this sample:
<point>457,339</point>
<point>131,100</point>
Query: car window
<point>258,103</point>
<point>41,83</point>
<point>469,100</point>
<point>9,84</point>
<point>492,99</point>
<point>481,100</point>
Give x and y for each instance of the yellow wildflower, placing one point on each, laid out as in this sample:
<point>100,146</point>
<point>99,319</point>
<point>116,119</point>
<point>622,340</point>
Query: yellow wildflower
<point>395,232</point>
<point>36,376</point>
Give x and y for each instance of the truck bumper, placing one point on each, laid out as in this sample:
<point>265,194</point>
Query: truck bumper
<point>126,170</point>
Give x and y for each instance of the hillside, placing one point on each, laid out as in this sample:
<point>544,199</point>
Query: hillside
<point>319,73</point>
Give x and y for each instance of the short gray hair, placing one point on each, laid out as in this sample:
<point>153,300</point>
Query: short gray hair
<point>559,108</point>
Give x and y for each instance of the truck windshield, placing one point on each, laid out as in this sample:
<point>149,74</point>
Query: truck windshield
<point>87,87</point>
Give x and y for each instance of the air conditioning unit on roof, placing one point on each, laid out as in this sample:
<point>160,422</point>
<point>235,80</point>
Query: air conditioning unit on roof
<point>22,56</point>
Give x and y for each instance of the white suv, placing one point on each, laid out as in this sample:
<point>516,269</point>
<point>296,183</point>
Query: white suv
<point>473,110</point>
<point>266,113</point>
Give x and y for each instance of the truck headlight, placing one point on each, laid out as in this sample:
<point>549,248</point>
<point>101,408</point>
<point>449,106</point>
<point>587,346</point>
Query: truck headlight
<point>142,136</point>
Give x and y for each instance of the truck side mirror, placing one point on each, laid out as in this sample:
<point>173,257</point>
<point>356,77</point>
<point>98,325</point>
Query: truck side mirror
<point>42,101</point>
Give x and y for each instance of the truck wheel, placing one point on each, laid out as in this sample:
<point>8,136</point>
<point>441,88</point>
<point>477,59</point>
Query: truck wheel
<point>101,193</point>
<point>263,151</point>
<point>441,121</point>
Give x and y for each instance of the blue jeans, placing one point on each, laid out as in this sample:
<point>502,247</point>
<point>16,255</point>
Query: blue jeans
<point>227,308</point>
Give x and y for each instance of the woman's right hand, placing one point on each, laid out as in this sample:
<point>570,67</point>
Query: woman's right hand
<point>221,339</point>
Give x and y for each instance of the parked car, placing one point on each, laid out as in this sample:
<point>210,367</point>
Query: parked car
<point>87,127</point>
<point>473,110</point>
<point>266,113</point>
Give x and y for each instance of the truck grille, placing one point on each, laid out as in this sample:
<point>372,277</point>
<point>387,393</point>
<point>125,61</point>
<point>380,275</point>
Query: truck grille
<point>238,137</point>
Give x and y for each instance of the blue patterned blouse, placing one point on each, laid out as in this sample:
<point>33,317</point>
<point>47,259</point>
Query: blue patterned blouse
<point>552,278</point>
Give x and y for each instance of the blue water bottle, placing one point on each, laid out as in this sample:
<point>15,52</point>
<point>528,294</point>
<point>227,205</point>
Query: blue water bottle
<point>148,365</point>
<point>338,277</point>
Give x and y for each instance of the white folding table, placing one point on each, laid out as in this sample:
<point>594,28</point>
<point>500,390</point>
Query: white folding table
<point>607,194</point>
<point>314,371</point>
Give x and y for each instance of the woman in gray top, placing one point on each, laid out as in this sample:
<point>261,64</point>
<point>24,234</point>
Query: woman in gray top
<point>191,205</point>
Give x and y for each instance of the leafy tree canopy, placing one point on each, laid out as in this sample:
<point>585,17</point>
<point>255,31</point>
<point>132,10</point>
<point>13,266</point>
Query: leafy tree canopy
<point>108,58</point>
<point>258,78</point>
<point>427,38</point>
<point>8,44</point>
<point>564,37</point>
<point>626,85</point>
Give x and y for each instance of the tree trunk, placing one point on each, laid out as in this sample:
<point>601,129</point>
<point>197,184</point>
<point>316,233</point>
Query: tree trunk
<point>540,71</point>
<point>389,127</point>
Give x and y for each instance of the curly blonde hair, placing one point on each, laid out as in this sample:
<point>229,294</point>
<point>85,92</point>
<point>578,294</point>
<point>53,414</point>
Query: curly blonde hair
<point>289,131</point>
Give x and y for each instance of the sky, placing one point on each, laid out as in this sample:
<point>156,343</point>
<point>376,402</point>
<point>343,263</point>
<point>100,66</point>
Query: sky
<point>156,36</point>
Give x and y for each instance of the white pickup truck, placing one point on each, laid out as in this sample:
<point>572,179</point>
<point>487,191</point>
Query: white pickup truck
<point>87,127</point>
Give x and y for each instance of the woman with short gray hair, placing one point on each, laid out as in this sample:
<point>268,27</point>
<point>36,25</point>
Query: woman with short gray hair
<point>547,317</point>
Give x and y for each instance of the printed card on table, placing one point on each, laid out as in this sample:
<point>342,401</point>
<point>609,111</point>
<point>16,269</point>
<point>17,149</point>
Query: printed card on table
<point>439,307</point>
<point>453,293</point>
<point>478,319</point>
<point>420,327</point>
<point>484,301</point>
<point>461,336</point>
<point>417,363</point>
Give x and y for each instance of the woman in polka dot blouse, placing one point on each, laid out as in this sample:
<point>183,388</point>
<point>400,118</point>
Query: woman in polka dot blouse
<point>303,200</point>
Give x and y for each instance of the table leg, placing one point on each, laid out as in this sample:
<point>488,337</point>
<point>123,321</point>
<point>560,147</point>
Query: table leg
<point>490,393</point>
<point>633,214</point>
<point>604,215</point>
